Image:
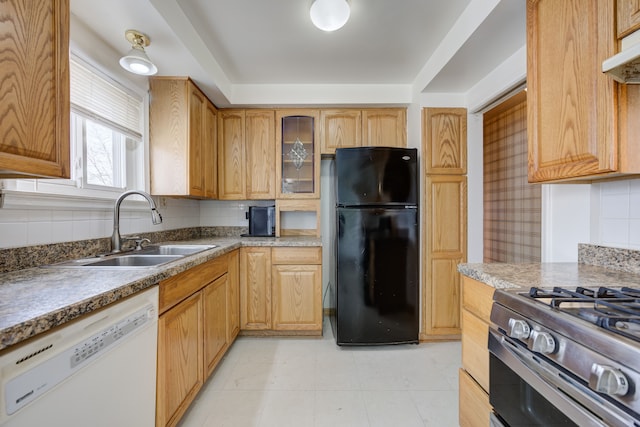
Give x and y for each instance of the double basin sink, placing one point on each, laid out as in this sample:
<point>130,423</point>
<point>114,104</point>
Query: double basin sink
<point>150,256</point>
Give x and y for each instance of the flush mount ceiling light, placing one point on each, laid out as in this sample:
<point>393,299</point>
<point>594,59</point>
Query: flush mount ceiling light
<point>137,61</point>
<point>329,15</point>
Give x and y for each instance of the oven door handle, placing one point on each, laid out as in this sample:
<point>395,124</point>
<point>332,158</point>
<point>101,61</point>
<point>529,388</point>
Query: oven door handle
<point>574,399</point>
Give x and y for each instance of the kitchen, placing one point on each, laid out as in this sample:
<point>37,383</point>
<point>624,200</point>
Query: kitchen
<point>574,213</point>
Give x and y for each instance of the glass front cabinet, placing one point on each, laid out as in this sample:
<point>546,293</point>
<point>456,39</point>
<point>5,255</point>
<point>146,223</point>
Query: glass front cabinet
<point>298,142</point>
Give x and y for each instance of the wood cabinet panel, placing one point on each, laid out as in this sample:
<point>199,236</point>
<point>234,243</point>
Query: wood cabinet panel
<point>255,288</point>
<point>445,133</point>
<point>628,14</point>
<point>215,322</point>
<point>180,360</point>
<point>261,154</point>
<point>211,151</point>
<point>233,309</point>
<point>34,130</point>
<point>297,297</point>
<point>384,127</point>
<point>231,155</point>
<point>477,297</point>
<point>340,129</point>
<point>572,106</point>
<point>196,136</point>
<point>474,409</point>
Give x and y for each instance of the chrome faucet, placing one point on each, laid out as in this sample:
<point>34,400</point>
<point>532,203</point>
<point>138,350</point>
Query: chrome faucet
<point>116,239</point>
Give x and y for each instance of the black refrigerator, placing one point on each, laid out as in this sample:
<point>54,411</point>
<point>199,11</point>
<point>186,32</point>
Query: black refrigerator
<point>374,290</point>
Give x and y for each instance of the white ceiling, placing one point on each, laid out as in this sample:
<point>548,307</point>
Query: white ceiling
<point>237,49</point>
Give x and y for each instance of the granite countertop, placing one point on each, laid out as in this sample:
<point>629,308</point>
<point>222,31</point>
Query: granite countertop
<point>546,275</point>
<point>35,300</point>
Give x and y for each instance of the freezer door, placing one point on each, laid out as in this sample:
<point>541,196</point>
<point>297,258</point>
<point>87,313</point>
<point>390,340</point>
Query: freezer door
<point>376,176</point>
<point>377,276</point>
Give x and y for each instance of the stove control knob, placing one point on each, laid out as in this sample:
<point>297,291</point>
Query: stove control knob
<point>543,342</point>
<point>519,329</point>
<point>608,380</point>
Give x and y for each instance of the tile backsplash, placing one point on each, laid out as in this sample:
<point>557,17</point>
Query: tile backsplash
<point>615,208</point>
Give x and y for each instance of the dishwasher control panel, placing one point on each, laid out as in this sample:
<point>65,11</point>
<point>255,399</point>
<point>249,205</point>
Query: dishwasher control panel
<point>58,366</point>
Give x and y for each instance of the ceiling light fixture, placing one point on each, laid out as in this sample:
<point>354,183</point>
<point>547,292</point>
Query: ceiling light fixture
<point>137,61</point>
<point>329,15</point>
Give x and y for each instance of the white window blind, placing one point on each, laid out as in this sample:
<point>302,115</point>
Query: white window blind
<point>103,100</point>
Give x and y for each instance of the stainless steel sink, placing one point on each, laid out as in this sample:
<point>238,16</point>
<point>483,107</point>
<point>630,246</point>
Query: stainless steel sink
<point>150,256</point>
<point>175,249</point>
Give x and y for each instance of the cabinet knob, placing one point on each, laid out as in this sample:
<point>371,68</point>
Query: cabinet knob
<point>519,329</point>
<point>608,380</point>
<point>543,342</point>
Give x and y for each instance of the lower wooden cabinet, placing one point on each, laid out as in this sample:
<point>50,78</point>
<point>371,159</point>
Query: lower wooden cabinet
<point>281,290</point>
<point>197,308</point>
<point>477,298</point>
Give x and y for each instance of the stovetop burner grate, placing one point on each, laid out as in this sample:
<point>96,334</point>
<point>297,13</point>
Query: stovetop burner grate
<point>617,310</point>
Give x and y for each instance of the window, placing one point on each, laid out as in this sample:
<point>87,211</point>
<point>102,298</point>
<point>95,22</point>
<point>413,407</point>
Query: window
<point>106,137</point>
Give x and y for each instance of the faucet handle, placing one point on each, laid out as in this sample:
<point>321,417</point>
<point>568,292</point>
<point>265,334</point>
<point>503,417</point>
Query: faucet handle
<point>140,242</point>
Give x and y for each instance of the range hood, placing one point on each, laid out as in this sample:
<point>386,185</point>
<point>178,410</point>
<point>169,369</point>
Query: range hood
<point>624,67</point>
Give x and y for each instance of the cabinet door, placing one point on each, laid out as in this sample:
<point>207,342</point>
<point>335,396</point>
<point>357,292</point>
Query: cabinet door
<point>210,151</point>
<point>445,138</point>
<point>180,360</point>
<point>475,409</point>
<point>215,322</point>
<point>340,129</point>
<point>260,149</point>
<point>384,127</point>
<point>231,155</point>
<point>298,154</point>
<point>628,13</point>
<point>233,294</point>
<point>572,130</point>
<point>444,232</point>
<point>255,288</point>
<point>196,136</point>
<point>297,297</point>
<point>34,130</point>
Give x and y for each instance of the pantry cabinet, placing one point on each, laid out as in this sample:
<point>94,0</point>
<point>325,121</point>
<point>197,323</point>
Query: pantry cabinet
<point>581,124</point>
<point>196,308</point>
<point>445,135</point>
<point>477,298</point>
<point>247,150</point>
<point>281,290</point>
<point>34,130</point>
<point>181,138</point>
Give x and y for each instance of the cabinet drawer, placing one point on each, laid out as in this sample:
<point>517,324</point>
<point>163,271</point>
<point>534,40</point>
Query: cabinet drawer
<point>475,408</point>
<point>475,352</point>
<point>296,255</point>
<point>477,297</point>
<point>179,287</point>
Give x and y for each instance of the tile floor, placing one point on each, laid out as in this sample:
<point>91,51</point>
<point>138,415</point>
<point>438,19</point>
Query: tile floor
<point>311,382</point>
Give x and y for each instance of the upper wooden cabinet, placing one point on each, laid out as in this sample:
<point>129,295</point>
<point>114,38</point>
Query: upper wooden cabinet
<point>628,14</point>
<point>340,129</point>
<point>384,127</point>
<point>181,138</point>
<point>35,99</point>
<point>246,153</point>
<point>298,154</point>
<point>577,116</point>
<point>445,133</point>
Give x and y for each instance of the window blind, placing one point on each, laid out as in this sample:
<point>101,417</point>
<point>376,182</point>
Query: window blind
<point>512,206</point>
<point>101,99</point>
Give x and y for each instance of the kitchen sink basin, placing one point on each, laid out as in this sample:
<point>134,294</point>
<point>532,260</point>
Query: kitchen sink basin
<point>175,249</point>
<point>149,256</point>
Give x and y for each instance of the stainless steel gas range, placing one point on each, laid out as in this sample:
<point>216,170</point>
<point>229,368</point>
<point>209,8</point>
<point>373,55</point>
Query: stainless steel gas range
<point>561,357</point>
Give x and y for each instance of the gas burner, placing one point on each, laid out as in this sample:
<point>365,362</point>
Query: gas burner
<point>617,310</point>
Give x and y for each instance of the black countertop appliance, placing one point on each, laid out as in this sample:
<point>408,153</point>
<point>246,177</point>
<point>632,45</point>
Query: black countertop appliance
<point>375,288</point>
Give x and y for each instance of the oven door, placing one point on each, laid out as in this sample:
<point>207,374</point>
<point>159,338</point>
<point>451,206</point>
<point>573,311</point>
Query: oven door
<point>526,390</point>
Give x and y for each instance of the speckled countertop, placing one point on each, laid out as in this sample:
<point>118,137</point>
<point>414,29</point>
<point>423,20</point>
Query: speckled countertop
<point>569,275</point>
<point>37,299</point>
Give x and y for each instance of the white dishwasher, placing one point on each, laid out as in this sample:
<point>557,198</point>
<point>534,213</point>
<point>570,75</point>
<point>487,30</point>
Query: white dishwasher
<point>99,370</point>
